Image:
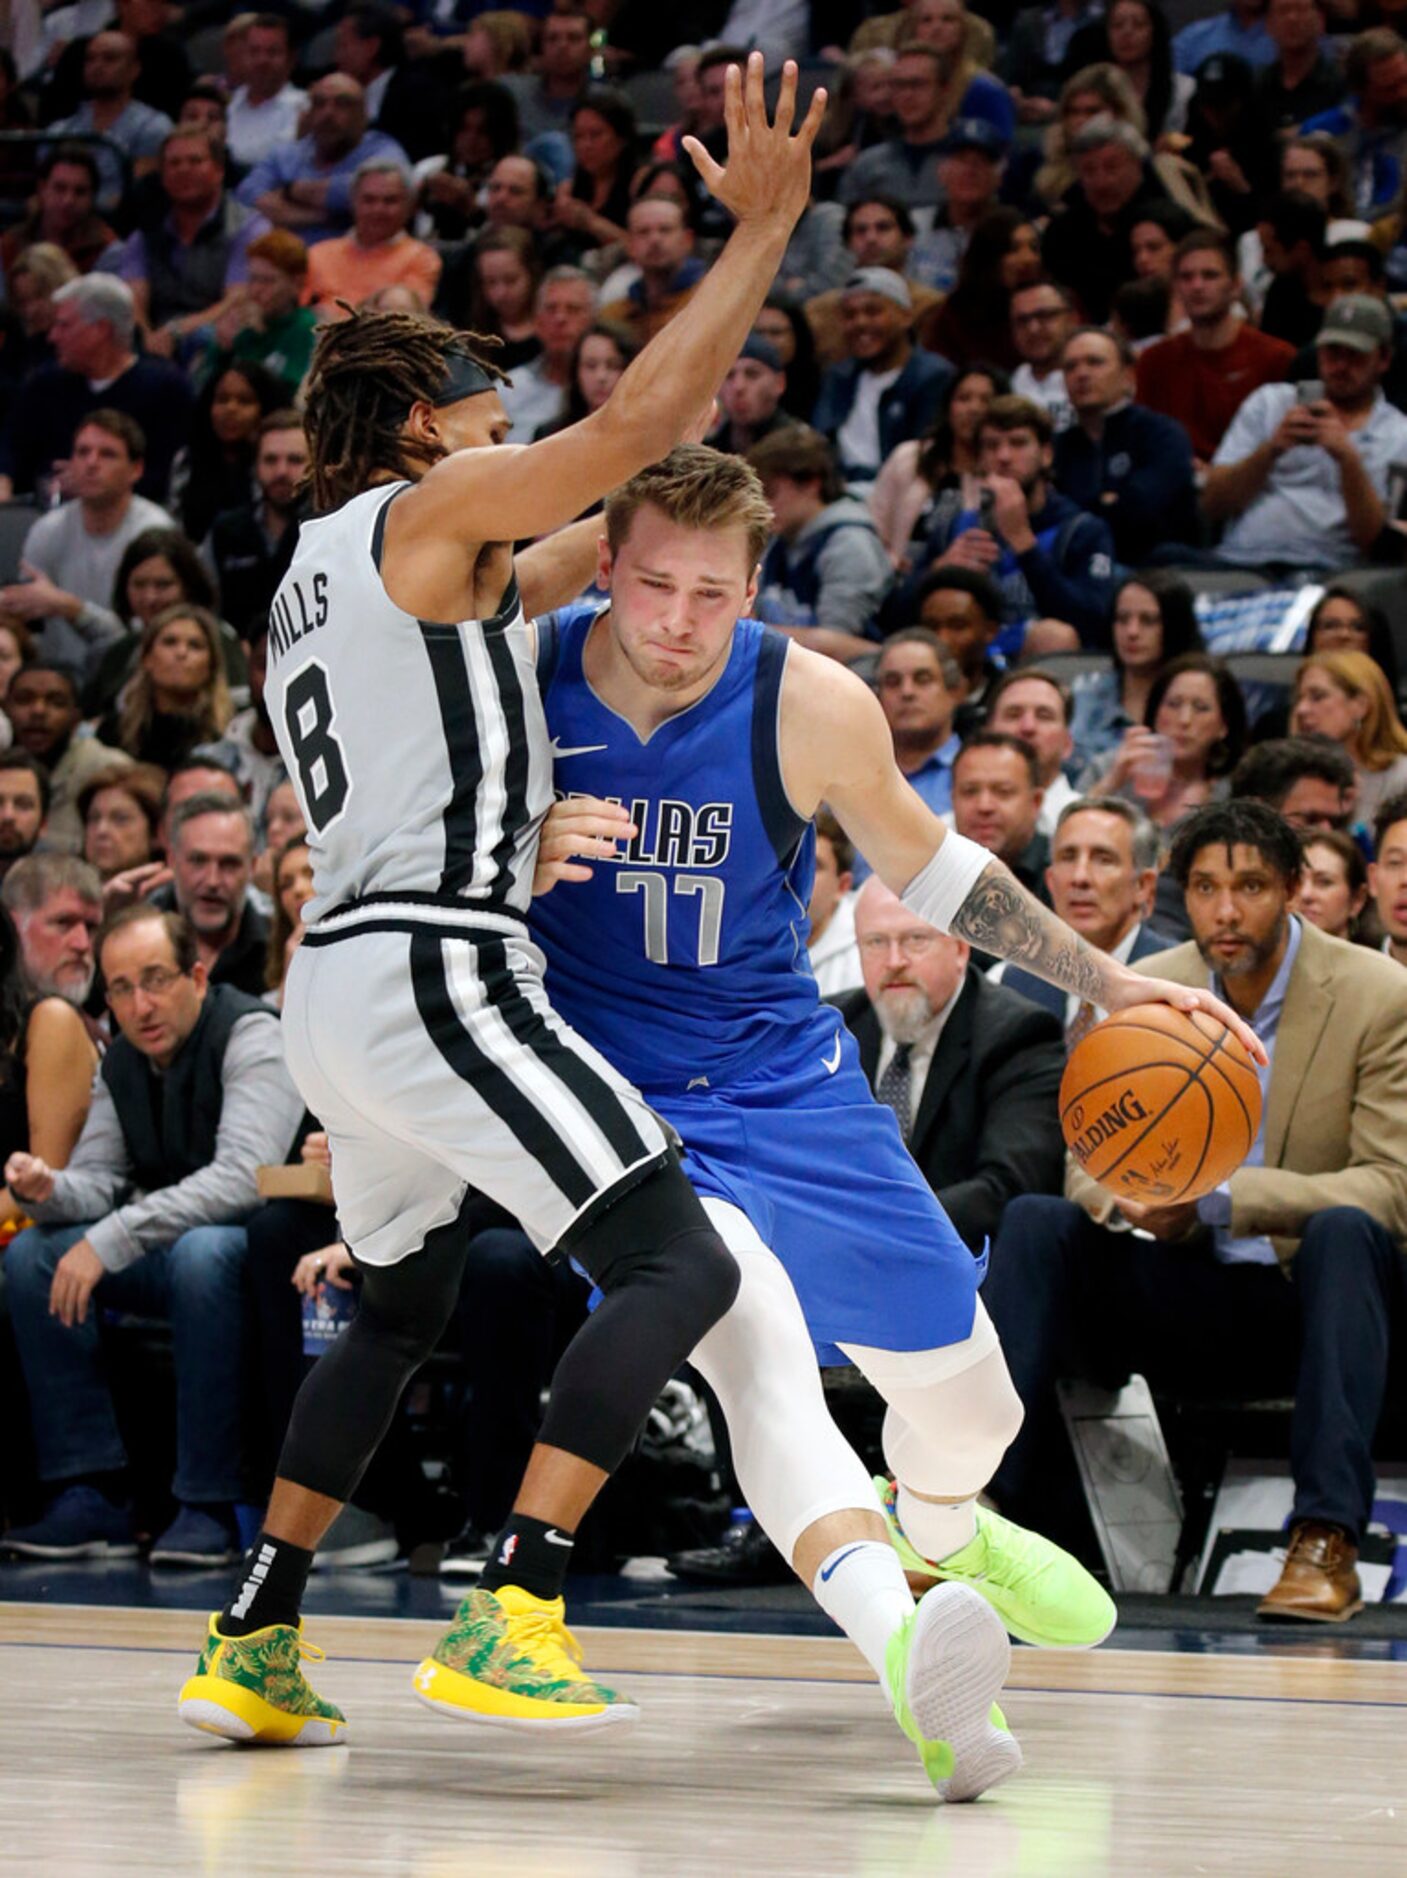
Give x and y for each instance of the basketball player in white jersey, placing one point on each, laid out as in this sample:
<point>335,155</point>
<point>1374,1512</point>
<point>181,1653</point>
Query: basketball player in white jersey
<point>402,691</point>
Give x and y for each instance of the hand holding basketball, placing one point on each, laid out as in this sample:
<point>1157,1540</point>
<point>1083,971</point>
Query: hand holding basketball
<point>1134,989</point>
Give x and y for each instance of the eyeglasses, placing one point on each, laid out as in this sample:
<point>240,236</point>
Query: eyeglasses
<point>912,945</point>
<point>155,981</point>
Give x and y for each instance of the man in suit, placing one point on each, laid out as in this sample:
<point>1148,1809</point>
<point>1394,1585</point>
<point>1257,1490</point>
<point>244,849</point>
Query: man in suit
<point>971,1070</point>
<point>1103,866</point>
<point>1288,1277</point>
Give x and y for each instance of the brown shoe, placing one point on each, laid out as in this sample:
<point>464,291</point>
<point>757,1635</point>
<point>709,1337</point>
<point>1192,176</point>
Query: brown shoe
<point>1318,1582</point>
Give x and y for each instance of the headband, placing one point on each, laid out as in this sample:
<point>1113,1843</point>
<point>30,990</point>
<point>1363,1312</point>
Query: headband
<point>464,378</point>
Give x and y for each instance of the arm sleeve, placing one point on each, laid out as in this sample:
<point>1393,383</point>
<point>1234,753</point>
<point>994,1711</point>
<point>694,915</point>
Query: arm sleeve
<point>98,1174</point>
<point>855,574</point>
<point>258,1122</point>
<point>1080,592</point>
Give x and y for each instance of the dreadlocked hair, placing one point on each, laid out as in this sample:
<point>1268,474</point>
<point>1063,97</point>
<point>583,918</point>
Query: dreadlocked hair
<point>368,370</point>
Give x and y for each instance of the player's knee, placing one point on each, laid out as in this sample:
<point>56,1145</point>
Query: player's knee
<point>658,1234</point>
<point>704,1273</point>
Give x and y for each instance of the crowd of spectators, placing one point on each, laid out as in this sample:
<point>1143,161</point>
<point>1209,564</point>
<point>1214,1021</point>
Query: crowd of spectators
<point>1079,392</point>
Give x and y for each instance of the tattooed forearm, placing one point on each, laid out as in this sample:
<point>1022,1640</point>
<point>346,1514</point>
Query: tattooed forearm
<point>1000,916</point>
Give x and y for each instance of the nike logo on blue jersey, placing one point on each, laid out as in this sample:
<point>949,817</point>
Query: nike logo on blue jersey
<point>829,1572</point>
<point>584,749</point>
<point>832,1063</point>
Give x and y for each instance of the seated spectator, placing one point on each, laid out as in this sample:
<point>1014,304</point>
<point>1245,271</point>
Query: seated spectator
<point>1042,319</point>
<point>816,259</point>
<point>266,109</point>
<point>1309,781</point>
<point>924,478</point>
<point>1303,80</point>
<point>378,252</point>
<point>1036,57</point>
<point>997,804</point>
<point>877,231</point>
<point>1342,621</point>
<point>264,322</point>
<point>1102,874</point>
<point>251,544</point>
<point>33,280</point>
<point>590,208</point>
<point>1200,1295</point>
<point>785,328</point>
<point>247,755</point>
<point>1191,739</point>
<point>210,850</point>
<point>110,110</point>
<point>1049,558</point>
<point>1203,376</point>
<point>47,1061</point>
<point>906,167</point>
<point>1301,485</point>
<point>1223,141</point>
<point>1153,242</point>
<point>215,471</point>
<point>1134,37</point>
<point>24,802</point>
<point>183,263</point>
<point>1310,165</point>
<point>192,1099</point>
<point>16,649</point>
<point>63,215</point>
<point>1035,706</point>
<point>406,99</point>
<point>883,391</point>
<point>974,322</point>
<point>1153,622</point>
<point>750,398</point>
<point>972,157</point>
<point>562,73</point>
<point>518,195</point>
<point>1239,30</point>
<point>205,774</point>
<point>826,566</point>
<point>1127,465</point>
<point>495,293</point>
<point>1344,696</point>
<point>1293,234</point>
<point>1354,265</point>
<point>602,353</point>
<point>484,128</point>
<point>163,70</point>
<point>121,810</point>
<point>1104,91</point>
<point>1369,125</point>
<point>920,685</point>
<point>1086,245</point>
<point>537,392</point>
<point>1333,887</point>
<point>971,1070</point>
<point>55,901</point>
<point>157,569</point>
<point>71,555</point>
<point>660,242</point>
<point>963,610</point>
<point>290,889</point>
<point>177,698</point>
<point>830,942</point>
<point>43,707</point>
<point>306,186</point>
<point>1387,876</point>
<point>96,368</point>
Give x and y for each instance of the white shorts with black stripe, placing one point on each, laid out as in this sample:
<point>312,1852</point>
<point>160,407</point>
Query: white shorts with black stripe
<point>422,1039</point>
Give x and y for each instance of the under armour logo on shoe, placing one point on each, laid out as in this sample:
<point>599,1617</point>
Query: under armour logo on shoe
<point>425,1678</point>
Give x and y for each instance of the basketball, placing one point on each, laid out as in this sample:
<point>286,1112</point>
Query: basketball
<point>1160,1105</point>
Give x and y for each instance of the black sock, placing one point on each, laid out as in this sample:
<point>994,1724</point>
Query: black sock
<point>269,1589</point>
<point>531,1555</point>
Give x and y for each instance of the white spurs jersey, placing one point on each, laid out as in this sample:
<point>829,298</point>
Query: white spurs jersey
<point>419,751</point>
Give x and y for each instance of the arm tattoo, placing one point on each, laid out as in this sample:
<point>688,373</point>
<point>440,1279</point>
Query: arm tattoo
<point>1000,916</point>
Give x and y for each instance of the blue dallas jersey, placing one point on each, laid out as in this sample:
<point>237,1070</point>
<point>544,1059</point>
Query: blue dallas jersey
<point>680,959</point>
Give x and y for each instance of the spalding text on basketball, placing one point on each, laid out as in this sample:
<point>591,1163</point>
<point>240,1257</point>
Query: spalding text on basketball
<point>1110,1122</point>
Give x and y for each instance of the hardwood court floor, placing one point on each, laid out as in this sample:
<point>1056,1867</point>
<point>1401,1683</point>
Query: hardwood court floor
<point>755,1755</point>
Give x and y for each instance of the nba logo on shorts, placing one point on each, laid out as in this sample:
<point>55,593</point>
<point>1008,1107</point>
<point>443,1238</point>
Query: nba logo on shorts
<point>508,1548</point>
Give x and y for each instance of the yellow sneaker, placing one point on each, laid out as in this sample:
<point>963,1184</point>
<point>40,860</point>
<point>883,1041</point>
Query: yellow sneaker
<point>253,1689</point>
<point>509,1661</point>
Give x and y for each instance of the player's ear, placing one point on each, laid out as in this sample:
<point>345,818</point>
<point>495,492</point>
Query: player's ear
<point>605,561</point>
<point>750,597</point>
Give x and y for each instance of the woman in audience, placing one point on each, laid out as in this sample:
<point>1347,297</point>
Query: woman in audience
<point>590,210</point>
<point>157,569</point>
<point>447,187</point>
<point>974,322</point>
<point>968,89</point>
<point>177,697</point>
<point>1345,697</point>
<point>121,810</point>
<point>1104,91</point>
<point>215,471</point>
<point>1153,622</point>
<point>498,42</point>
<point>34,278</point>
<point>282,823</point>
<point>1341,622</point>
<point>290,888</point>
<point>47,1061</point>
<point>1334,885</point>
<point>1135,39</point>
<point>920,477</point>
<point>783,324</point>
<point>16,650</point>
<point>858,111</point>
<point>1192,736</point>
<point>598,359</point>
<point>1314,165</point>
<point>506,273</point>
<point>1153,240</point>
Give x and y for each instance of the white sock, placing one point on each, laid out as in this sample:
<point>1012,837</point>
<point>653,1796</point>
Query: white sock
<point>936,1528</point>
<point>862,1586</point>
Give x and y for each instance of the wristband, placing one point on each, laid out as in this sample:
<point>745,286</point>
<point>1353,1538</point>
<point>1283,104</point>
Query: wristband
<point>937,891</point>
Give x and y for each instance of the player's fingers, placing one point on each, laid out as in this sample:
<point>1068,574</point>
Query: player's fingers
<point>734,116</point>
<point>786,100</point>
<point>703,163</point>
<point>754,102</point>
<point>811,123</point>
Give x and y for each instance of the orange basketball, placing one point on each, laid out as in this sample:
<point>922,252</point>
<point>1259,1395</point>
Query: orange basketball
<point>1160,1105</point>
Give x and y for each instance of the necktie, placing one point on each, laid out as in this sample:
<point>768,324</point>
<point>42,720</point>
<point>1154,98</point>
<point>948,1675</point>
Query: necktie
<point>1080,1025</point>
<point>893,1086</point>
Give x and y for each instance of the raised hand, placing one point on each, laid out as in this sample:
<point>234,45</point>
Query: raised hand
<point>768,173</point>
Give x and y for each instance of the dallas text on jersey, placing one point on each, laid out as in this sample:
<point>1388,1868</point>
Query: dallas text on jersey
<point>674,834</point>
<point>286,627</point>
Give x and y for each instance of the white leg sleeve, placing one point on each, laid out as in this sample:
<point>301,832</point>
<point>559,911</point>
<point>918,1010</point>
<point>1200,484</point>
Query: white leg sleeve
<point>792,1462</point>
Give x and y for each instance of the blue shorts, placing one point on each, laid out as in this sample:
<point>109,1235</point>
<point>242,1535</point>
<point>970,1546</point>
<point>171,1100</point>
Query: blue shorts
<point>799,1144</point>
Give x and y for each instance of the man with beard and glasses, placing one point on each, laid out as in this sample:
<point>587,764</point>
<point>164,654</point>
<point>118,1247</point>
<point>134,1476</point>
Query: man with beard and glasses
<point>250,547</point>
<point>24,802</point>
<point>55,901</point>
<point>1287,1279</point>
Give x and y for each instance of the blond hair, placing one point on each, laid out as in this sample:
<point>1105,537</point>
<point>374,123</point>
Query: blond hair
<point>1381,737</point>
<point>137,707</point>
<point>694,487</point>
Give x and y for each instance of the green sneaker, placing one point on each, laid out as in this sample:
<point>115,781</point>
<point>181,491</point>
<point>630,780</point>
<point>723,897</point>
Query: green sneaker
<point>1042,1594</point>
<point>253,1689</point>
<point>508,1660</point>
<point>944,1667</point>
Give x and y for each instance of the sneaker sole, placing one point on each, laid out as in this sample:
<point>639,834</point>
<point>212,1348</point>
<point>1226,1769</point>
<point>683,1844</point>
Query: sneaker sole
<point>462,1567</point>
<point>959,1658</point>
<point>210,1560</point>
<point>448,1692</point>
<point>92,1548</point>
<point>1277,1614</point>
<point>238,1714</point>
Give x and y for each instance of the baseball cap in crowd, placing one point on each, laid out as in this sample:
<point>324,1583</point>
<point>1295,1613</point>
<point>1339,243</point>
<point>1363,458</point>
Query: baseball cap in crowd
<point>759,347</point>
<point>974,133</point>
<point>1358,320</point>
<point>883,281</point>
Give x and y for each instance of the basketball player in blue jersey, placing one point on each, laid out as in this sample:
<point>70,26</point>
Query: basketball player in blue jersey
<point>402,693</point>
<point>699,745</point>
